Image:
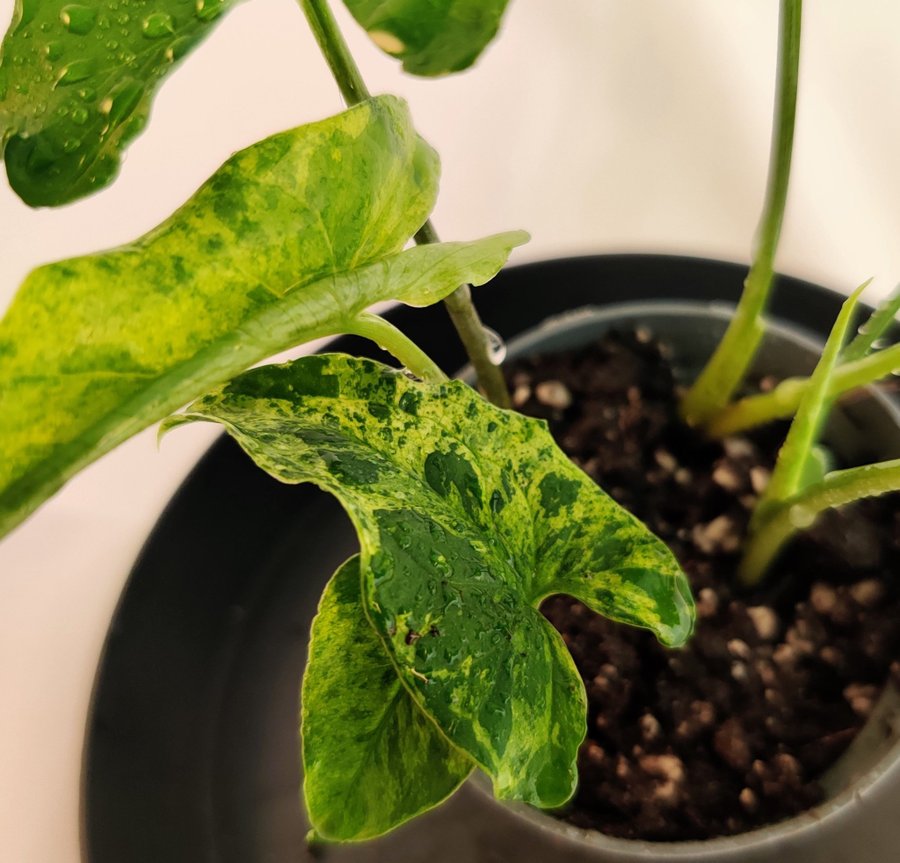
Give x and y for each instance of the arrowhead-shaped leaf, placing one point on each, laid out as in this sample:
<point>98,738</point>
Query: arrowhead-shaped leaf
<point>431,37</point>
<point>371,759</point>
<point>468,516</point>
<point>76,83</point>
<point>275,249</point>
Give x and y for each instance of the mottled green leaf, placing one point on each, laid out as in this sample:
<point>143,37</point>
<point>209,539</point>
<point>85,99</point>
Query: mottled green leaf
<point>371,758</point>
<point>431,37</point>
<point>76,83</point>
<point>275,249</point>
<point>468,516</point>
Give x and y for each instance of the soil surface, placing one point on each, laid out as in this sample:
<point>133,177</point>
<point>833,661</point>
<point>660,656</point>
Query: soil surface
<point>733,731</point>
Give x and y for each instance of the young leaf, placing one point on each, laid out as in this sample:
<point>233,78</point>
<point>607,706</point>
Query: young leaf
<point>431,37</point>
<point>76,82</point>
<point>275,249</point>
<point>785,518</point>
<point>811,413</point>
<point>468,516</point>
<point>371,759</point>
<point>878,325</point>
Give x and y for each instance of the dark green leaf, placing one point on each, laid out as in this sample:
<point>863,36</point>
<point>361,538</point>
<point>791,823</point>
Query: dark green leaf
<point>275,249</point>
<point>76,83</point>
<point>371,758</point>
<point>431,37</point>
<point>468,516</point>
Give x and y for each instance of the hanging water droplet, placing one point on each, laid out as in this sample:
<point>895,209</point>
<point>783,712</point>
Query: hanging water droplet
<point>157,25</point>
<point>496,346</point>
<point>206,10</point>
<point>78,19</point>
<point>74,72</point>
<point>179,48</point>
<point>53,50</point>
<point>801,516</point>
<point>79,116</point>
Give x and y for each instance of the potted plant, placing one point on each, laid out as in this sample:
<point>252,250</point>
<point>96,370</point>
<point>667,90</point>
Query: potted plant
<point>358,429</point>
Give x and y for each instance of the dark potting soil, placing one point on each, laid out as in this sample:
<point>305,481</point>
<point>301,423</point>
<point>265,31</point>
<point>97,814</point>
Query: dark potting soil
<point>732,731</point>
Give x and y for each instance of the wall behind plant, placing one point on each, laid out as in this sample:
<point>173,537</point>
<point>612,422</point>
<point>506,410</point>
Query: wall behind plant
<point>603,125</point>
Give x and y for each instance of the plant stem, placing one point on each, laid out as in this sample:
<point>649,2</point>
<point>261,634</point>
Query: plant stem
<point>799,512</point>
<point>731,359</point>
<point>459,304</point>
<point>331,41</point>
<point>396,343</point>
<point>782,402</point>
<point>471,333</point>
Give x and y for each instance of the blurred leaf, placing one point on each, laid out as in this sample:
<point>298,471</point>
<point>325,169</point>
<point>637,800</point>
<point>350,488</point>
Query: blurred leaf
<point>76,83</point>
<point>431,37</point>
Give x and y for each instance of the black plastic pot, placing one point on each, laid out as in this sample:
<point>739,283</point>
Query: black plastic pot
<point>192,753</point>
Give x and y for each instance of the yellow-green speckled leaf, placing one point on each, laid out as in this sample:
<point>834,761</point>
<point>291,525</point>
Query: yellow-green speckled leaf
<point>371,758</point>
<point>275,249</point>
<point>431,37</point>
<point>76,82</point>
<point>468,516</point>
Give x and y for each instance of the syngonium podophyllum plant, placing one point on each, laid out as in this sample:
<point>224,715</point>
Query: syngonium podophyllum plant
<point>428,657</point>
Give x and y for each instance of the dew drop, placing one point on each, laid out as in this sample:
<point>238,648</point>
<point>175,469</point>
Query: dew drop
<point>122,100</point>
<point>70,145</point>
<point>79,116</point>
<point>439,562</point>
<point>103,22</point>
<point>112,45</point>
<point>123,18</point>
<point>206,10</point>
<point>74,72</point>
<point>801,516</point>
<point>53,50</point>
<point>87,94</point>
<point>78,19</point>
<point>157,25</point>
<point>496,346</point>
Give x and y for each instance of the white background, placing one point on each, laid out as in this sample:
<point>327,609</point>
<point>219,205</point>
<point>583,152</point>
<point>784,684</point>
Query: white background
<point>598,125</point>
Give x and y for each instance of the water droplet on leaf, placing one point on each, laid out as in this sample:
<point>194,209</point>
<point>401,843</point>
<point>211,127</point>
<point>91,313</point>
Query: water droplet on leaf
<point>157,25</point>
<point>79,116</point>
<point>206,10</point>
<point>122,100</point>
<point>74,72</point>
<point>179,48</point>
<point>53,50</point>
<point>78,19</point>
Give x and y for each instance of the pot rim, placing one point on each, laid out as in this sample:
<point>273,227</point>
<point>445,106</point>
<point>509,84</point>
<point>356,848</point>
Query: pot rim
<point>829,812</point>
